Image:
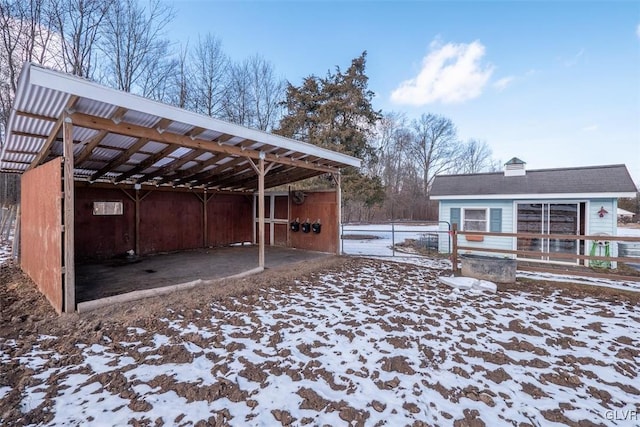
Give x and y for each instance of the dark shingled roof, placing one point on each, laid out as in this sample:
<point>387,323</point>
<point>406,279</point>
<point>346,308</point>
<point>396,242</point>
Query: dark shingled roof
<point>593,179</point>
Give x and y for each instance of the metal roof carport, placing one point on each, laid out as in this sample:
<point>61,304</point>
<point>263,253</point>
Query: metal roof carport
<point>109,137</point>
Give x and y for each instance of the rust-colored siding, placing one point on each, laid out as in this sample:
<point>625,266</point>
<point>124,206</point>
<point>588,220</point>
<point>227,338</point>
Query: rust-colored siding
<point>229,219</point>
<point>169,221</point>
<point>41,229</point>
<point>280,234</point>
<point>317,205</point>
<point>281,207</point>
<point>103,236</point>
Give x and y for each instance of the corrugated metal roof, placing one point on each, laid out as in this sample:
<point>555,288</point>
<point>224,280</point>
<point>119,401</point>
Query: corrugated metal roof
<point>131,135</point>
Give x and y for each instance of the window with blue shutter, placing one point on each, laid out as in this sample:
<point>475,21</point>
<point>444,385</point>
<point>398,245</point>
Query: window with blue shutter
<point>495,220</point>
<point>454,217</point>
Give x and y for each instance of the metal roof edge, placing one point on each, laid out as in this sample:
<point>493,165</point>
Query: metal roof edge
<point>74,85</point>
<point>23,80</point>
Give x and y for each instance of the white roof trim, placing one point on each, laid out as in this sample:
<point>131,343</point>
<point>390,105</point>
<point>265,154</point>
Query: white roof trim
<point>535,196</point>
<point>73,85</point>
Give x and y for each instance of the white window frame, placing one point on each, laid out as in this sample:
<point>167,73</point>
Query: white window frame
<point>463,218</point>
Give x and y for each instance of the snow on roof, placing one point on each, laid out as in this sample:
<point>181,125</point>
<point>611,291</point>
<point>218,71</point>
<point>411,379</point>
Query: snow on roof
<point>625,212</point>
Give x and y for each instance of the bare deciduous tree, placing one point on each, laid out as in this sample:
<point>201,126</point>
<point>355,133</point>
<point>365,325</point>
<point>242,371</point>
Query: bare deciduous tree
<point>475,157</point>
<point>210,68</point>
<point>254,94</point>
<point>435,147</point>
<point>135,48</point>
<point>237,103</point>
<point>267,93</point>
<point>180,83</point>
<point>79,23</point>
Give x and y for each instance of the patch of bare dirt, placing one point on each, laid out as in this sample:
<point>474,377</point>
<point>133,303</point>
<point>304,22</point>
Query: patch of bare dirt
<point>26,315</point>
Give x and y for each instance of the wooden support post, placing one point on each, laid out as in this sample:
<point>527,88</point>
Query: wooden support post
<point>69,283</point>
<point>289,217</point>
<point>15,247</point>
<point>454,250</point>
<point>261,210</point>
<point>261,171</point>
<point>137,199</point>
<point>339,214</point>
<point>205,219</point>
<point>137,225</point>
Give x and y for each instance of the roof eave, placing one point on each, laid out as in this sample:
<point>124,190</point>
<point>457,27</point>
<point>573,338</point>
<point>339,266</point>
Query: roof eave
<point>604,195</point>
<point>73,85</point>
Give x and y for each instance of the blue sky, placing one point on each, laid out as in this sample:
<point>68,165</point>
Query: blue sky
<point>556,84</point>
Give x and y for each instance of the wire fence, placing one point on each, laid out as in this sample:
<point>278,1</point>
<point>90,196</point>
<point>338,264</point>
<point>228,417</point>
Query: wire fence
<point>394,239</point>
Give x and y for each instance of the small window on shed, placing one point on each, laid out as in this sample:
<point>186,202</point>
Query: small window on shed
<point>107,208</point>
<point>475,220</point>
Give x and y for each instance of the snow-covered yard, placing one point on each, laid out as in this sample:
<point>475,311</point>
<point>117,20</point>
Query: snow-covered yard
<point>367,342</point>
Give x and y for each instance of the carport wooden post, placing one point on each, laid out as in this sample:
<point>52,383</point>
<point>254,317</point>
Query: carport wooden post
<point>261,171</point>
<point>338,179</point>
<point>137,200</point>
<point>68,217</point>
<point>205,222</point>
<point>261,210</point>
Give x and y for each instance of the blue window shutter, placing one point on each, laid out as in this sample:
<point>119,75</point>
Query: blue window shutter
<point>454,217</point>
<point>495,220</point>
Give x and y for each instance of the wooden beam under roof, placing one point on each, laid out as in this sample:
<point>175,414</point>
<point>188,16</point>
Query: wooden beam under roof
<point>97,138</point>
<point>239,178</point>
<point>208,180</point>
<point>29,135</point>
<point>121,159</point>
<point>172,166</point>
<point>185,173</point>
<point>197,168</point>
<point>290,176</point>
<point>220,180</point>
<point>36,116</point>
<point>210,172</point>
<point>46,148</point>
<point>126,155</point>
<point>92,122</point>
<point>147,163</point>
<point>202,178</point>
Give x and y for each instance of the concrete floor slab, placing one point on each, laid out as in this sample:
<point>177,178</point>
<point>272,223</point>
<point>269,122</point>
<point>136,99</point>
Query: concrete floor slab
<point>119,276</point>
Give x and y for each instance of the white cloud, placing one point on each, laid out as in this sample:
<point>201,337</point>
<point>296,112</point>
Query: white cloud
<point>590,128</point>
<point>503,83</point>
<point>450,73</point>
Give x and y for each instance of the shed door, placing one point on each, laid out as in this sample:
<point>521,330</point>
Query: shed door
<point>549,218</point>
